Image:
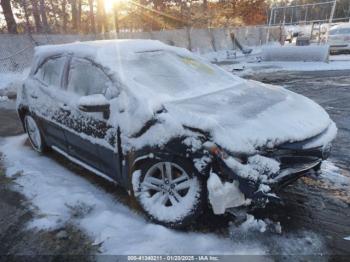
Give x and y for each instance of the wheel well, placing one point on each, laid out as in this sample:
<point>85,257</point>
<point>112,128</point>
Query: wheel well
<point>22,111</point>
<point>138,163</point>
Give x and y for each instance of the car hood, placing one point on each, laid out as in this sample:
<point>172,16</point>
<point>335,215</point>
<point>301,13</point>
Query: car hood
<point>251,115</point>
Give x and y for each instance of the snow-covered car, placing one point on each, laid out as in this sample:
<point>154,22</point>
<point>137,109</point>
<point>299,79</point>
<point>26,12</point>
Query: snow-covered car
<point>180,134</point>
<point>339,38</point>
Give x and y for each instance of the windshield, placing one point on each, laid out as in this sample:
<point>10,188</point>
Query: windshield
<point>170,73</point>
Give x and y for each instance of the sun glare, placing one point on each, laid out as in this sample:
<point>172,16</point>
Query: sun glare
<point>110,3</point>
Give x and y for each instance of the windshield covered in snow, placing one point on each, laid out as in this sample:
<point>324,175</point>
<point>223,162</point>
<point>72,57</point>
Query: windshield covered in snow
<point>177,75</point>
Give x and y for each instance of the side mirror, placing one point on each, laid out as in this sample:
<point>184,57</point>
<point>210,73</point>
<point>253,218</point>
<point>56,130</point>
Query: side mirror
<point>94,103</point>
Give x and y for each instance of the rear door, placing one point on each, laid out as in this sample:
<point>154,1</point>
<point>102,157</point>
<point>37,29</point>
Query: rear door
<point>45,96</point>
<point>90,139</point>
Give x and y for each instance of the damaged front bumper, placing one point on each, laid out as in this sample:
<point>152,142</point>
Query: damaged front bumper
<point>227,189</point>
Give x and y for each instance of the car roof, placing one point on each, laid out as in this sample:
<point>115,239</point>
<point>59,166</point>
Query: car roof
<point>102,47</point>
<point>345,25</point>
<point>107,53</point>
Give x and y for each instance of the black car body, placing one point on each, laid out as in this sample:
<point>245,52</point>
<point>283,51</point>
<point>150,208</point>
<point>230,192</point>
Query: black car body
<point>170,127</point>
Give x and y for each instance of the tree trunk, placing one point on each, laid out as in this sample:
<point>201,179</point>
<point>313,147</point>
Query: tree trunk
<point>10,20</point>
<point>99,16</point>
<point>43,16</point>
<point>64,15</point>
<point>79,16</point>
<point>116,19</point>
<point>26,15</point>
<point>205,5</point>
<point>54,15</point>
<point>36,16</point>
<point>74,15</point>
<point>104,18</point>
<point>92,17</point>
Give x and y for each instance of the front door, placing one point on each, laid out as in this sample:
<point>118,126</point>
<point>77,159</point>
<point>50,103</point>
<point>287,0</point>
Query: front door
<point>46,94</point>
<point>90,139</point>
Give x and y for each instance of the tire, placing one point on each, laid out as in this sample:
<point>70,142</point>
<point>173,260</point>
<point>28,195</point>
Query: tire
<point>34,134</point>
<point>173,201</point>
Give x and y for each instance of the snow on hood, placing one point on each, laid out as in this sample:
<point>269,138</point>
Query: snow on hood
<point>243,118</point>
<point>252,115</point>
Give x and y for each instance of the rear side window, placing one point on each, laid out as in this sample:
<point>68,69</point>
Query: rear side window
<point>87,79</point>
<point>50,71</point>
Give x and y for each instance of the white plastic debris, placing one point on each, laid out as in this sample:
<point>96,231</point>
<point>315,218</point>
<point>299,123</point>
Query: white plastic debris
<point>312,53</point>
<point>224,195</point>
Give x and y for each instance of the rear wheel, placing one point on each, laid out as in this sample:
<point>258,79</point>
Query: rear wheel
<point>34,134</point>
<point>169,192</point>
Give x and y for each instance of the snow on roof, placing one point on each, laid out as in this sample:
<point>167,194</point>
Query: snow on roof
<point>121,47</point>
<point>343,25</point>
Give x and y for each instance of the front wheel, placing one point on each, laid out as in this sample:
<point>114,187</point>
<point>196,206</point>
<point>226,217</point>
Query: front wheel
<point>34,134</point>
<point>169,192</point>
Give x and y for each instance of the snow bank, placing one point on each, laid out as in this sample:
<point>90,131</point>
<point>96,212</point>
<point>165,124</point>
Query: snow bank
<point>57,194</point>
<point>296,53</point>
<point>4,98</point>
<point>9,82</point>
<point>7,78</point>
<point>333,175</point>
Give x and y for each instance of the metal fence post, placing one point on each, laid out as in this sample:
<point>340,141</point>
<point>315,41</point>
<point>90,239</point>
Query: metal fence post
<point>268,29</point>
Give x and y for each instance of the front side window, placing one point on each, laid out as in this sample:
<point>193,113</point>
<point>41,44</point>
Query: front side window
<point>50,71</point>
<point>86,79</point>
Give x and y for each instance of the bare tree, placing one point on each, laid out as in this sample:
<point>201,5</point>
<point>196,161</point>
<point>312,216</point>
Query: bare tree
<point>44,16</point>
<point>79,15</point>
<point>116,18</point>
<point>64,15</point>
<point>36,15</point>
<point>10,20</point>
<point>92,17</point>
<point>99,16</point>
<point>74,14</point>
<point>26,15</point>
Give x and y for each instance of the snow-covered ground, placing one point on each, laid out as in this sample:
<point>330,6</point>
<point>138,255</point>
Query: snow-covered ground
<point>332,175</point>
<point>59,196</point>
<point>6,79</point>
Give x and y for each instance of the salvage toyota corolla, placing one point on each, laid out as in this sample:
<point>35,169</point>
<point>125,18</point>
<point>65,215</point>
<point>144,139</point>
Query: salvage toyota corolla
<point>181,135</point>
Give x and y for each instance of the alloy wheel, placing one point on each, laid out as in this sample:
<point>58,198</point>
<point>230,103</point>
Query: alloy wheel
<point>167,192</point>
<point>33,133</point>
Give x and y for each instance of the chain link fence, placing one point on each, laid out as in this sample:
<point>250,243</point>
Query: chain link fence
<point>16,51</point>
